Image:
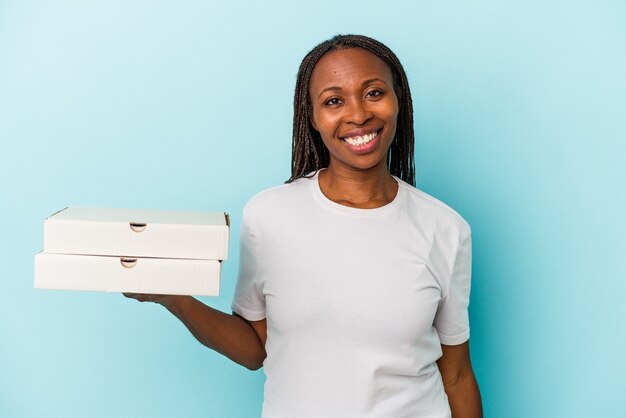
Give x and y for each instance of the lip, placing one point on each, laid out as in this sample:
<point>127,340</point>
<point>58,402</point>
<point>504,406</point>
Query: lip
<point>359,132</point>
<point>365,148</point>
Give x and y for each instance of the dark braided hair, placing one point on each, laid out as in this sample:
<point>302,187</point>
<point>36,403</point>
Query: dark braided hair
<point>309,153</point>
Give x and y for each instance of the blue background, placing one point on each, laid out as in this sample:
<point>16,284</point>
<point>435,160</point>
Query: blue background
<point>520,115</point>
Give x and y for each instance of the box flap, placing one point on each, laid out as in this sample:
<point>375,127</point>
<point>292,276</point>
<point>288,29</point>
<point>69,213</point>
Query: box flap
<point>76,213</point>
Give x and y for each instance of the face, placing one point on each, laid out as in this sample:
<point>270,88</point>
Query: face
<point>355,108</point>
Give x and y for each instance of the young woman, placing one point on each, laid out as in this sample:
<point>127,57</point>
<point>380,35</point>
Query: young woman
<point>353,285</point>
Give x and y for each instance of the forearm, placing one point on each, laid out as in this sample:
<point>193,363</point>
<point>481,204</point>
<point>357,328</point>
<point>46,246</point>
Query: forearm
<point>464,397</point>
<point>227,334</point>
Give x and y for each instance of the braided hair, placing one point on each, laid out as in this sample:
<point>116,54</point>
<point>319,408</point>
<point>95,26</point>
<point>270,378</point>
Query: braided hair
<point>309,153</point>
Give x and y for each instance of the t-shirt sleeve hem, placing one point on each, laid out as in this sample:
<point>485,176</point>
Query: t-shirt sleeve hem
<point>454,339</point>
<point>249,314</point>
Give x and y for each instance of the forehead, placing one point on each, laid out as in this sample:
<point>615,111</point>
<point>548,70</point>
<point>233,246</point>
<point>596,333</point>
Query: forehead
<point>345,66</point>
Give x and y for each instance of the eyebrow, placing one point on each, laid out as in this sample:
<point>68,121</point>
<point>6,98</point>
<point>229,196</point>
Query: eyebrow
<point>363,84</point>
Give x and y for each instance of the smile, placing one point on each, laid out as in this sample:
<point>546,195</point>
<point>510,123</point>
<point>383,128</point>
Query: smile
<point>357,141</point>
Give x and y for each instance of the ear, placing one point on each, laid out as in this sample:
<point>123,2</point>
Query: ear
<point>312,121</point>
<point>398,90</point>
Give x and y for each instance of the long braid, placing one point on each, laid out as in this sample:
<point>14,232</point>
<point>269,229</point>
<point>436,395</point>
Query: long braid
<point>308,151</point>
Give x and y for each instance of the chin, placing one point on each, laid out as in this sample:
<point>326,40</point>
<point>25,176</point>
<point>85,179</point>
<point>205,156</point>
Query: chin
<point>363,164</point>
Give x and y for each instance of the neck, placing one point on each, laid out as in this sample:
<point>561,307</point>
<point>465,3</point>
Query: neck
<point>364,189</point>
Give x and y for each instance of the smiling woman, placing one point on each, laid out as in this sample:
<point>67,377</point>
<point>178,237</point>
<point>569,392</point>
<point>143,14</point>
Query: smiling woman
<point>309,154</point>
<point>354,108</point>
<point>353,296</point>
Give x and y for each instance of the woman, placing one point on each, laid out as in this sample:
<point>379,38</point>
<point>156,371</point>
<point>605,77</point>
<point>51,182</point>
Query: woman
<point>353,285</point>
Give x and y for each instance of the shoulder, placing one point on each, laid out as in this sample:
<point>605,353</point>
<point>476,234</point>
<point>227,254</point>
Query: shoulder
<point>278,199</point>
<point>433,212</point>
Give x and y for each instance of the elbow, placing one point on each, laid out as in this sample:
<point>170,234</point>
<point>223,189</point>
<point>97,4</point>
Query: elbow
<point>255,362</point>
<point>454,380</point>
<point>254,365</point>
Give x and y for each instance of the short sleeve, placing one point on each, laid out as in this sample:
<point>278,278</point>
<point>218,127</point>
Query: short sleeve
<point>248,301</point>
<point>452,319</point>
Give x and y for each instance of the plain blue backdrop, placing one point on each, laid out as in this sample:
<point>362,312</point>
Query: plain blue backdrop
<point>520,116</point>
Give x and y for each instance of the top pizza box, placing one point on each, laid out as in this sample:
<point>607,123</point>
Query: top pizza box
<point>137,233</point>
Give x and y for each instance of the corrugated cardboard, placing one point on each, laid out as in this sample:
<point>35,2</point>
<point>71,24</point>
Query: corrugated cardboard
<point>137,233</point>
<point>129,250</point>
<point>125,274</point>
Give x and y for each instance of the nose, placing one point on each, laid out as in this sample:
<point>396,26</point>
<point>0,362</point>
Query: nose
<point>357,112</point>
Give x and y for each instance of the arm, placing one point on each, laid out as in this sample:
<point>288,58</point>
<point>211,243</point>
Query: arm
<point>231,335</point>
<point>459,381</point>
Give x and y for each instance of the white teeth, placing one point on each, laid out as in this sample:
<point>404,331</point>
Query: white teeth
<point>360,140</point>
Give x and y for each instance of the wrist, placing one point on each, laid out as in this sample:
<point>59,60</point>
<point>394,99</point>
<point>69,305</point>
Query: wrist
<point>175,303</point>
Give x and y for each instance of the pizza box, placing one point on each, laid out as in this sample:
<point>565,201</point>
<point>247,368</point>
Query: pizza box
<point>127,274</point>
<point>137,233</point>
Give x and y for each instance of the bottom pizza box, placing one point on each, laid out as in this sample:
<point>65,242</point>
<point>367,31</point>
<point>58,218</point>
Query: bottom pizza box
<point>168,276</point>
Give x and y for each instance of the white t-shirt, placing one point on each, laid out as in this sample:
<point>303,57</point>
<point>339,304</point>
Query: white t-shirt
<point>357,301</point>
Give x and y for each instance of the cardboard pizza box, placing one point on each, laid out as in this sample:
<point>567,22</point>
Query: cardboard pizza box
<point>168,276</point>
<point>138,233</point>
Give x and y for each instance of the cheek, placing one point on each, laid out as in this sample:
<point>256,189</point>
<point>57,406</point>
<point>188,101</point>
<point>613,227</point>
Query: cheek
<point>394,111</point>
<point>326,125</point>
<point>391,116</point>
<point>317,120</point>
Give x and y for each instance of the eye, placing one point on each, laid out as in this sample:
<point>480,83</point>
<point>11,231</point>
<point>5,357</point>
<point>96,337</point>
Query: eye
<point>332,101</point>
<point>374,93</point>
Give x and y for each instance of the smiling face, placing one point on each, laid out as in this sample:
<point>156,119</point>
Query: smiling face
<point>355,108</point>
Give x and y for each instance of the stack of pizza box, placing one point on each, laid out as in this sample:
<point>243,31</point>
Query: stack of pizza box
<point>135,251</point>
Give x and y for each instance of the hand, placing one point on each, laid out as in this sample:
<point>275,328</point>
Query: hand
<point>165,300</point>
